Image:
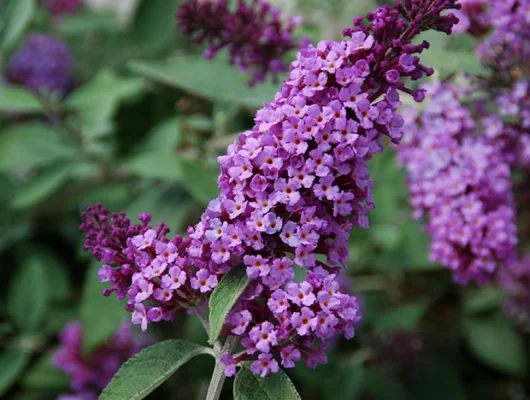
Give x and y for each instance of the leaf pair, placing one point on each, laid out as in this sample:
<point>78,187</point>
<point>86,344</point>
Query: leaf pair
<point>148,369</point>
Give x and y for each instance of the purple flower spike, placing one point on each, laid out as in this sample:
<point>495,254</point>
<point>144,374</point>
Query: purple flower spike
<point>292,188</point>
<point>90,374</point>
<point>461,180</point>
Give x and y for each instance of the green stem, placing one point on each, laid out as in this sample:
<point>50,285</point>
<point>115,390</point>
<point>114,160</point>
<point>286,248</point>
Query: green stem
<point>218,376</point>
<point>217,381</point>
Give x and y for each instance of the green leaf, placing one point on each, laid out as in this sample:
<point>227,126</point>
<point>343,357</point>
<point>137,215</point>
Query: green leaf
<point>248,386</point>
<point>148,369</point>
<point>224,297</point>
<point>56,275</point>
<point>31,145</point>
<point>163,138</point>
<point>154,23</point>
<point>12,363</point>
<point>15,15</point>
<point>100,315</point>
<point>45,375</point>
<point>84,22</point>
<point>213,80</point>
<point>463,43</point>
<point>201,182</point>
<point>447,62</point>
<point>151,34</point>
<point>18,100</point>
<point>41,187</point>
<point>155,165</point>
<point>483,300</point>
<point>98,100</point>
<point>13,233</point>
<point>29,294</point>
<point>497,343</point>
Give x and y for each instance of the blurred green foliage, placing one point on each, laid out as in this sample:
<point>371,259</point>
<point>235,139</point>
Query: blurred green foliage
<point>141,131</point>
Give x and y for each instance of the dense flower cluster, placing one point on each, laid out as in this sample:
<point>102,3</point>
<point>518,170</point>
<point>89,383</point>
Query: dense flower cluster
<point>254,33</point>
<point>291,191</point>
<point>507,50</point>
<point>90,374</point>
<point>62,7</point>
<point>460,179</point>
<point>43,64</point>
<point>515,281</point>
<point>143,265</point>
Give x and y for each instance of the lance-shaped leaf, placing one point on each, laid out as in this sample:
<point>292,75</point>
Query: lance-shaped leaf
<point>224,297</point>
<point>12,363</point>
<point>248,386</point>
<point>15,16</point>
<point>29,295</point>
<point>151,367</point>
<point>212,79</point>
<point>497,343</point>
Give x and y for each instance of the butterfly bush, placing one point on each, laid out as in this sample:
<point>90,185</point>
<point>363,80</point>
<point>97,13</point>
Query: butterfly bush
<point>459,177</point>
<point>89,374</point>
<point>470,209</point>
<point>43,64</point>
<point>291,190</point>
<point>254,33</point>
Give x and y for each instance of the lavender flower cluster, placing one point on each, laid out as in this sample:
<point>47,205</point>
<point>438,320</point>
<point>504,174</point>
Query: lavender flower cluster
<point>43,64</point>
<point>254,33</point>
<point>291,191</point>
<point>141,264</point>
<point>90,374</point>
<point>515,281</point>
<point>460,178</point>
